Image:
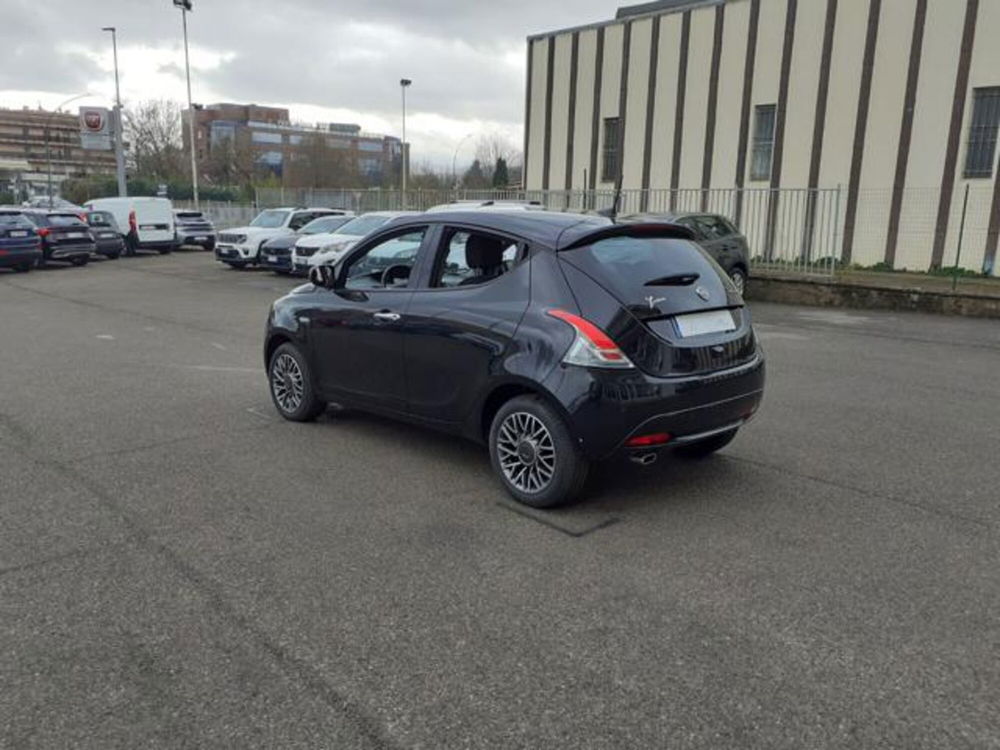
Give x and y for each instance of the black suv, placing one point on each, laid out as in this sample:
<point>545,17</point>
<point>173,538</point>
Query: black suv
<point>107,234</point>
<point>20,246</point>
<point>716,234</point>
<point>65,236</point>
<point>558,339</point>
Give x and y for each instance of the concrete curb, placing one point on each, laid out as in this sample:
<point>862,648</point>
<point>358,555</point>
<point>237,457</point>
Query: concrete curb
<point>826,293</point>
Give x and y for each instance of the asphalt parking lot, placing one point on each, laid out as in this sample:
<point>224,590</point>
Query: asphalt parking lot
<point>181,568</point>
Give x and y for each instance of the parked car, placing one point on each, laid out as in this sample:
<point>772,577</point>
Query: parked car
<point>148,223</point>
<point>241,246</point>
<point>20,245</point>
<point>193,229</point>
<point>557,339</point>
<point>51,204</point>
<point>107,234</point>
<point>322,249</point>
<point>64,235</point>
<point>277,253</point>
<point>717,235</point>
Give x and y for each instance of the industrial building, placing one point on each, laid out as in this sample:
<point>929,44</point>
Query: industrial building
<point>275,141</point>
<point>886,111</point>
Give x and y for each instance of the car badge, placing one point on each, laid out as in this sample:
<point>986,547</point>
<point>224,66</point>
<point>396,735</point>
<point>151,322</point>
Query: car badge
<point>652,301</point>
<point>703,293</point>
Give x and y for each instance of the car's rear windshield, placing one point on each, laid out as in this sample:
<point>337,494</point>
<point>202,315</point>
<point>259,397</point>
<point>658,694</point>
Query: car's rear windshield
<point>633,267</point>
<point>99,219</point>
<point>65,220</point>
<point>362,225</point>
<point>270,219</point>
<point>16,220</point>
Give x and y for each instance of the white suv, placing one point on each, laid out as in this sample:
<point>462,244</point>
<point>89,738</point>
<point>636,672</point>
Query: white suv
<point>240,246</point>
<point>326,249</point>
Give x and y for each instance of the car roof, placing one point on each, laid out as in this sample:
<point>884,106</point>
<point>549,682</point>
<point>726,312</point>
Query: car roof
<point>551,228</point>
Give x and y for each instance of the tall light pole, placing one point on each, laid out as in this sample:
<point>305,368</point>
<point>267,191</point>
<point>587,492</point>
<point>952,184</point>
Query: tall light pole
<point>404,83</point>
<point>185,6</point>
<point>48,152</point>
<point>119,150</point>
<point>454,161</point>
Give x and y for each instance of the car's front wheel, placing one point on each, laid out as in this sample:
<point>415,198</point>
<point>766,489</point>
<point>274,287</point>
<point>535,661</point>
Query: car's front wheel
<point>291,385</point>
<point>708,446</point>
<point>739,278</point>
<point>534,454</point>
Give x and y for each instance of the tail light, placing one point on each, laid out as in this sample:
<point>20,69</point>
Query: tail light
<point>592,347</point>
<point>645,441</point>
<point>43,232</point>
<point>132,224</point>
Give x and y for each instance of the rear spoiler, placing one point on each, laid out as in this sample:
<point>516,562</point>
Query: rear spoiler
<point>644,229</point>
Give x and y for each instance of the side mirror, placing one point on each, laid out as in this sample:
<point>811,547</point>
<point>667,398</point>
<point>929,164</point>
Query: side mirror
<point>323,276</point>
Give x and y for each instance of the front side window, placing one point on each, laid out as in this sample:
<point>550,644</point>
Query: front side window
<point>272,218</point>
<point>300,220</point>
<point>324,224</point>
<point>763,142</point>
<point>387,264</point>
<point>610,156</point>
<point>982,146</point>
<point>469,258</point>
<point>362,225</point>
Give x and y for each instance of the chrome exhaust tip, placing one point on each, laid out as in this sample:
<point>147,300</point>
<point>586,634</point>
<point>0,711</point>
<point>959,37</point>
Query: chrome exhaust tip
<point>644,459</point>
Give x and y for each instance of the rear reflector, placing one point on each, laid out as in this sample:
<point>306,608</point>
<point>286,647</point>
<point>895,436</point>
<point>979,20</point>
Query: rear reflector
<point>644,441</point>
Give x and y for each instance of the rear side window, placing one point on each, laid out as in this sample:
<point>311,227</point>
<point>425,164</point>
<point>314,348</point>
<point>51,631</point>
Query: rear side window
<point>468,258</point>
<point>714,227</point>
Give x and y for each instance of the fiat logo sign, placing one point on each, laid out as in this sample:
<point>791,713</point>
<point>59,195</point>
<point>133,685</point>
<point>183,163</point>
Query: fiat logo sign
<point>93,120</point>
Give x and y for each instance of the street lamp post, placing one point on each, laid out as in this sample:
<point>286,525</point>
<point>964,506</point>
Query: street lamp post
<point>48,151</point>
<point>185,6</point>
<point>119,149</point>
<point>454,161</point>
<point>404,83</point>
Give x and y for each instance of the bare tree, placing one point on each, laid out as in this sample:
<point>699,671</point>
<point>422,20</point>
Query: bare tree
<point>491,147</point>
<point>231,161</point>
<point>153,129</point>
<point>319,163</point>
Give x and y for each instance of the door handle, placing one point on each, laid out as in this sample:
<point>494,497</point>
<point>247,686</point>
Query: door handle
<point>387,317</point>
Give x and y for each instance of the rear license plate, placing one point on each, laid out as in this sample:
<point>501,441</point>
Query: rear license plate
<point>149,227</point>
<point>18,234</point>
<point>272,258</point>
<point>74,235</point>
<point>201,239</point>
<point>713,321</point>
<point>107,236</point>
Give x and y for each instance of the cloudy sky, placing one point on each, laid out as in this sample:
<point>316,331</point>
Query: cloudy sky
<point>326,60</point>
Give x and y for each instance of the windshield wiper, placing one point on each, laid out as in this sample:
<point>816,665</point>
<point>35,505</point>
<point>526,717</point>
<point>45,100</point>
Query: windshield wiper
<point>678,279</point>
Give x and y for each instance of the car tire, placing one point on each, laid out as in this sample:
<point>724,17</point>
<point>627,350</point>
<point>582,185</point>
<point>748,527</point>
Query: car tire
<point>739,279</point>
<point>238,266</point>
<point>113,256</point>
<point>530,420</point>
<point>708,446</point>
<point>22,267</point>
<point>290,383</point>
<point>166,250</point>
<point>79,261</point>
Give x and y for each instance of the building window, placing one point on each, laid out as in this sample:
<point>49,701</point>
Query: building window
<point>763,142</point>
<point>258,136</point>
<point>295,140</point>
<point>609,160</point>
<point>983,132</point>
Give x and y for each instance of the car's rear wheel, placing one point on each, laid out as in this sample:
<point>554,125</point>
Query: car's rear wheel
<point>739,278</point>
<point>534,454</point>
<point>22,267</point>
<point>708,446</point>
<point>79,260</point>
<point>291,385</point>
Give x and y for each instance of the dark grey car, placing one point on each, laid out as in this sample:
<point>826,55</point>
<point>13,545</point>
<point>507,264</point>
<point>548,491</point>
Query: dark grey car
<point>718,235</point>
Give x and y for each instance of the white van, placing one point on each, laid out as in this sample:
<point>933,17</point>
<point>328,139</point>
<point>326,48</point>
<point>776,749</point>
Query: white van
<point>146,223</point>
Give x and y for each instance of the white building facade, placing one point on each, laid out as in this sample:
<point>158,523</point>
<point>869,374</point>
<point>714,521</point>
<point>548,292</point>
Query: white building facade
<point>891,106</point>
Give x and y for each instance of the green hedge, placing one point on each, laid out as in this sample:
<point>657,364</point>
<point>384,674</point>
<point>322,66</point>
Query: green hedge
<point>81,190</point>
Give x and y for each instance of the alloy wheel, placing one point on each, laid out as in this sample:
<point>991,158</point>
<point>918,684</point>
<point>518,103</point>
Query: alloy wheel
<point>287,383</point>
<point>526,452</point>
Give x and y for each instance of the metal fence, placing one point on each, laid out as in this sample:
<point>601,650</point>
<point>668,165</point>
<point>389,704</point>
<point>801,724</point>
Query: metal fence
<point>795,230</point>
<point>223,213</point>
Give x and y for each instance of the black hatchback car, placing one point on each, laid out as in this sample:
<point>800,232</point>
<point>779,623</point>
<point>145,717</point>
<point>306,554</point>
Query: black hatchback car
<point>718,235</point>
<point>107,235</point>
<point>557,339</point>
<point>65,236</point>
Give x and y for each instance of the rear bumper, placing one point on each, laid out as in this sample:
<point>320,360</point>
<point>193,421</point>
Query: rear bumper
<point>605,408</point>
<point>111,246</point>
<point>195,239</point>
<point>65,252</point>
<point>15,256</point>
<point>157,244</point>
